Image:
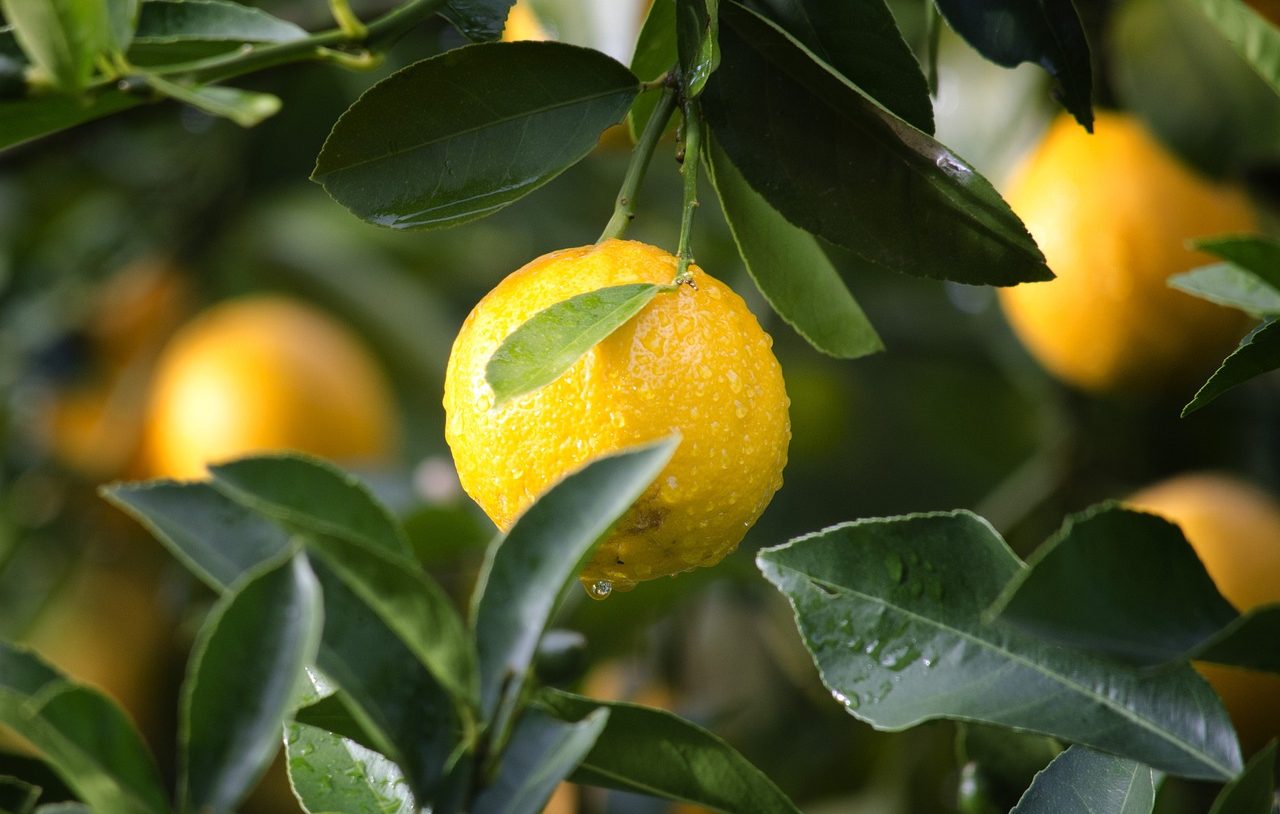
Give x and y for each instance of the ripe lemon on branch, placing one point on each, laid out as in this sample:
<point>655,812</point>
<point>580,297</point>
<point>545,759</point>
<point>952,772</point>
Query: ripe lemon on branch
<point>1112,213</point>
<point>694,360</point>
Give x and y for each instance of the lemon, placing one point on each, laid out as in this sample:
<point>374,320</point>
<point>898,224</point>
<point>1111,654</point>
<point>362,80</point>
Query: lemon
<point>1112,213</point>
<point>1235,529</point>
<point>693,361</point>
<point>263,374</point>
<point>523,24</point>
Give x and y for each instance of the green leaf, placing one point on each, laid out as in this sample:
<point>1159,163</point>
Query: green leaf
<point>538,351</point>
<point>122,18</point>
<point>17,796</point>
<point>217,539</point>
<point>1082,781</point>
<point>22,120</point>
<point>1047,33</point>
<point>893,612</point>
<point>655,55</point>
<point>1257,353</point>
<point>1230,285</point>
<point>529,571</point>
<point>247,664</point>
<point>1007,760</point>
<point>697,43</point>
<point>166,22</point>
<point>478,20</point>
<point>542,752</point>
<point>396,162</point>
<point>312,495</point>
<point>1255,254</point>
<point>836,164</point>
<point>862,42</point>
<point>82,734</point>
<point>1191,87</point>
<point>790,268</point>
<point>1247,642</point>
<point>651,751</point>
<point>333,715</point>
<point>1250,34</point>
<point>64,808</point>
<point>330,773</point>
<point>1253,792</point>
<point>245,108</point>
<point>60,37</point>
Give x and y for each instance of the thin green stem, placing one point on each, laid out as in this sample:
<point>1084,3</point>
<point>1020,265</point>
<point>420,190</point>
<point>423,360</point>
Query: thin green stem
<point>624,209</point>
<point>692,130</point>
<point>933,34</point>
<point>347,20</point>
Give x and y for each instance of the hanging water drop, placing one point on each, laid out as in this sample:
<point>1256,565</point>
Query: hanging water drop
<point>600,589</point>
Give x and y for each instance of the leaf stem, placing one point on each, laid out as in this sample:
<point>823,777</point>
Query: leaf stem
<point>624,210</point>
<point>692,133</point>
<point>347,20</point>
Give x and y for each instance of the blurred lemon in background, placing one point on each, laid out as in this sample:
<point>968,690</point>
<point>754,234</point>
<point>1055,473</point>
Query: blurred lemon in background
<point>1112,213</point>
<point>1235,529</point>
<point>266,373</point>
<point>523,24</point>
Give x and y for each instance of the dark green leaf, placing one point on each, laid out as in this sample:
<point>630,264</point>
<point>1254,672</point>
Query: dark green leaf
<point>397,162</point>
<point>164,22</point>
<point>1008,760</point>
<point>243,107</point>
<point>1254,791</point>
<point>541,753</point>
<point>548,344</point>
<point>22,120</point>
<point>861,40</point>
<point>215,538</point>
<point>1255,39</point>
<point>333,715</point>
<point>697,42</point>
<point>835,163</point>
<point>312,495</point>
<point>247,664</point>
<point>17,796</point>
<point>790,268</point>
<point>60,37</point>
<point>64,808</point>
<point>892,611</point>
<point>1255,254</point>
<point>529,571</point>
<point>478,20</point>
<point>1091,587</point>
<point>330,773</point>
<point>655,55</point>
<point>82,734</point>
<point>1247,642</point>
<point>1194,91</point>
<point>1047,33</point>
<point>1230,285</point>
<point>650,751</point>
<point>1082,781</point>
<point>1257,353</point>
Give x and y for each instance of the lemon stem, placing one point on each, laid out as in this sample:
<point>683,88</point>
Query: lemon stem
<point>624,210</point>
<point>347,21</point>
<point>692,138</point>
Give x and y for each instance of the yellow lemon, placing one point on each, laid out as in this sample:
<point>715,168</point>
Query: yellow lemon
<point>261,374</point>
<point>1235,529</point>
<point>1113,213</point>
<point>523,24</point>
<point>693,361</point>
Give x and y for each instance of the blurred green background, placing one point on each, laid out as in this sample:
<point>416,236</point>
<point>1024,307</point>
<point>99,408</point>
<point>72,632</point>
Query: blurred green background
<point>953,413</point>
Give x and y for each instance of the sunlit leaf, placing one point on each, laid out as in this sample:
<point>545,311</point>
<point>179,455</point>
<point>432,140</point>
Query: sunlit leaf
<point>1082,781</point>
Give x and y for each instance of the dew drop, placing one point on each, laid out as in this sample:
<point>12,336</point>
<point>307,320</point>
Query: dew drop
<point>600,589</point>
<point>894,563</point>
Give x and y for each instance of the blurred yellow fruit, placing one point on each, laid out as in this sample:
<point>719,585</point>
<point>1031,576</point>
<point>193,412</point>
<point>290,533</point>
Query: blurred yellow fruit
<point>1113,213</point>
<point>261,374</point>
<point>616,680</point>
<point>693,361</point>
<point>1235,529</point>
<point>563,801</point>
<point>523,24</point>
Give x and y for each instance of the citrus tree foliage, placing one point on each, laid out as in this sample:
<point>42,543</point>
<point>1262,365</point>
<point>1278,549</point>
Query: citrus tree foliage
<point>813,121</point>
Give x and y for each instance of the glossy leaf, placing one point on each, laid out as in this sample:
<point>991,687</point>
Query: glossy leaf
<point>835,163</point>
<point>541,753</point>
<point>1254,791</point>
<point>655,54</point>
<point>1046,32</point>
<point>17,796</point>
<point>651,751</point>
<point>245,108</point>
<point>1250,34</point>
<point>538,351</point>
<point>247,664</point>
<point>478,20</point>
<point>214,537</point>
<point>790,268</point>
<point>1229,285</point>
<point>397,162</point>
<point>1257,254</point>
<point>861,40</point>
<point>313,495</point>
<point>61,37</point>
<point>22,120</point>
<point>82,734</point>
<point>330,773</point>
<point>893,612</point>
<point>697,43</point>
<point>164,22</point>
<point>529,571</point>
<point>333,715</point>
<point>1082,781</point>
<point>1257,353</point>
